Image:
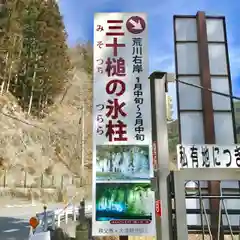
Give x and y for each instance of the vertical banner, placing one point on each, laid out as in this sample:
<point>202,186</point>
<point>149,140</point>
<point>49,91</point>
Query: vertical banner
<point>123,203</point>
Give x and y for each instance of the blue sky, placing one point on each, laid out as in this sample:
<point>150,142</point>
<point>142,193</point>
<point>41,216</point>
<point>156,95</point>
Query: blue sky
<point>78,18</point>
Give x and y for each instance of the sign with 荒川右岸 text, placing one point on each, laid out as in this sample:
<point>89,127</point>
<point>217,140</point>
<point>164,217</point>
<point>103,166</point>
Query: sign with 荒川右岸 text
<point>123,202</point>
<point>208,156</point>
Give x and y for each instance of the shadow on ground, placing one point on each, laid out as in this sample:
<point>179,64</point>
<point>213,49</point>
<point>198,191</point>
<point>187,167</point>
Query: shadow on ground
<point>13,228</point>
<point>18,229</point>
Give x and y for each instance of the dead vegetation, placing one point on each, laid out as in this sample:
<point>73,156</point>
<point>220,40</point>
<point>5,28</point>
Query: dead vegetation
<point>51,145</point>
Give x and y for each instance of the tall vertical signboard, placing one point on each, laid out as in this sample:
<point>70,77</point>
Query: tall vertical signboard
<point>206,120</point>
<point>123,203</point>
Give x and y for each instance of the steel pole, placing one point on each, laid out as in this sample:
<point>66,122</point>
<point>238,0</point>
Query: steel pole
<point>160,136</point>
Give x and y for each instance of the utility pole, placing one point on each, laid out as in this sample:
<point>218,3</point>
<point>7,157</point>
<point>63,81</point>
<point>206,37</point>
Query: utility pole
<point>82,122</point>
<point>83,140</point>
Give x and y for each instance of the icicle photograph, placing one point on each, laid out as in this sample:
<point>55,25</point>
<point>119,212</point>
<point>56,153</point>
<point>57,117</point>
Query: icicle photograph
<point>122,162</point>
<point>123,201</point>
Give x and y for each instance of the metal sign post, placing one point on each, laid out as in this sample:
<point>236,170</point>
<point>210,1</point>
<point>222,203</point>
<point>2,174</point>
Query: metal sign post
<point>161,160</point>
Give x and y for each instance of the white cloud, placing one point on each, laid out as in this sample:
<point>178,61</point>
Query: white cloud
<point>164,62</point>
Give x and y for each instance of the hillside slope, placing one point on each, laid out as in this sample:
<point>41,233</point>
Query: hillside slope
<point>51,145</point>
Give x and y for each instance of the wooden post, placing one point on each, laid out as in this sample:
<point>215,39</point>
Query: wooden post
<point>73,178</point>
<point>41,184</point>
<point>62,180</point>
<point>123,238</point>
<point>25,179</point>
<point>52,181</point>
<point>81,182</point>
<point>208,117</point>
<point>5,179</point>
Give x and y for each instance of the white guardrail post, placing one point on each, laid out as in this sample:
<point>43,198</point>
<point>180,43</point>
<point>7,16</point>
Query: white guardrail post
<point>66,216</point>
<point>74,213</point>
<point>58,220</point>
<point>64,213</point>
<point>60,215</point>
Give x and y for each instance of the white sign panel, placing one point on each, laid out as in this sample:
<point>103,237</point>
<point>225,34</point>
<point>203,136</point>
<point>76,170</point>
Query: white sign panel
<point>208,156</point>
<point>123,203</point>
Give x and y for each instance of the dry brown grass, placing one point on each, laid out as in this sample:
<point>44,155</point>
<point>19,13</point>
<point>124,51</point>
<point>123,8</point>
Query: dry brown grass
<point>23,146</point>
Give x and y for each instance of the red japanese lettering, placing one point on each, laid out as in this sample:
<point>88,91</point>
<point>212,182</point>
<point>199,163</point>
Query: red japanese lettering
<point>115,45</point>
<point>118,129</point>
<point>116,67</point>
<point>114,27</point>
<point>114,109</point>
<point>112,86</point>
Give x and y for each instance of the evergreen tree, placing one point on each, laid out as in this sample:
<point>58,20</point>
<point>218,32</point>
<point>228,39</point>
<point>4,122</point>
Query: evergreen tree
<point>10,41</point>
<point>45,54</point>
<point>56,55</point>
<point>24,88</point>
<point>4,18</point>
<point>34,55</point>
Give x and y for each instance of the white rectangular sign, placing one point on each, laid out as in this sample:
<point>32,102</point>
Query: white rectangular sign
<point>208,156</point>
<point>123,203</point>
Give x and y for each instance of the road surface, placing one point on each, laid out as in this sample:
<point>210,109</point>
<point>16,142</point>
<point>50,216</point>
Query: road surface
<point>14,220</point>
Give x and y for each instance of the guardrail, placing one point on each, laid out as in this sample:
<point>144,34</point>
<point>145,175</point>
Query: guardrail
<point>49,220</point>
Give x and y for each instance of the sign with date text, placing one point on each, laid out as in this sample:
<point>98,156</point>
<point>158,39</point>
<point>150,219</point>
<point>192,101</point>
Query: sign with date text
<point>123,202</point>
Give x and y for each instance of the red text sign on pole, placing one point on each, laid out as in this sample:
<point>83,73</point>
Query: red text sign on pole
<point>158,208</point>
